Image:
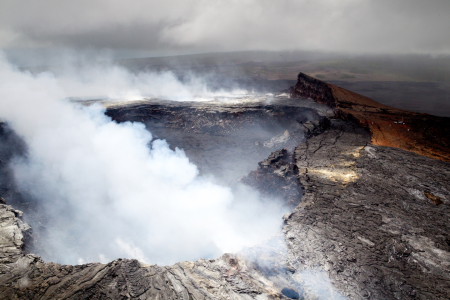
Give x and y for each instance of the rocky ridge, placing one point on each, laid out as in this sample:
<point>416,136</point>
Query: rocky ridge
<point>28,277</point>
<point>420,133</point>
<point>215,116</point>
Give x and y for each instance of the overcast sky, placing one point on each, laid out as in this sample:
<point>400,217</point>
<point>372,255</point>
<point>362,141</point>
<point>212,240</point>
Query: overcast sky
<point>193,26</point>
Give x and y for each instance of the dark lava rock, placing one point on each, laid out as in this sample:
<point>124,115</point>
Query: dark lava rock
<point>277,177</point>
<point>209,118</point>
<point>309,87</point>
<point>366,220</point>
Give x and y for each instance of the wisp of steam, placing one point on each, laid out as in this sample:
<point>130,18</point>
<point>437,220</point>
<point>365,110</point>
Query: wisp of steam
<point>108,191</point>
<point>112,82</point>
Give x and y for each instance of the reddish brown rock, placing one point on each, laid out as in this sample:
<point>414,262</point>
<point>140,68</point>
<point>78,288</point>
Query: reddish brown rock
<point>423,134</point>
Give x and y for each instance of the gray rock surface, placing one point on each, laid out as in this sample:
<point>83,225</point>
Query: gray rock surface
<point>13,232</point>
<point>366,220</point>
<point>28,277</point>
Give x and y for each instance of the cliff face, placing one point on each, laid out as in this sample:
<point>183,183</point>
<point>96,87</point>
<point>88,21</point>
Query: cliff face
<point>420,133</point>
<point>309,87</point>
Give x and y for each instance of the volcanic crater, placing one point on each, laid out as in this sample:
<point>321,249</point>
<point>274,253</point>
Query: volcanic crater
<point>367,188</point>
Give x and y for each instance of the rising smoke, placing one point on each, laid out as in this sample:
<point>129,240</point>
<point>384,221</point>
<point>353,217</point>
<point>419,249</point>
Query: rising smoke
<point>109,192</point>
<point>106,81</point>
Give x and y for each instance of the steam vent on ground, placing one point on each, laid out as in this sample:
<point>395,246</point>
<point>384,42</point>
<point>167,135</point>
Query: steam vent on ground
<point>312,193</point>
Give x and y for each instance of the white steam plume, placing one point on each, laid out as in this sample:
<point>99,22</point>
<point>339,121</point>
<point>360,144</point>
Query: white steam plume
<point>112,82</point>
<point>109,194</point>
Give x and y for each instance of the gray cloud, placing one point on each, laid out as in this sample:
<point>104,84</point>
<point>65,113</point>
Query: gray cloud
<point>178,26</point>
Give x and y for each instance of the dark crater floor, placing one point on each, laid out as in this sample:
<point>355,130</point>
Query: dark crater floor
<point>225,141</point>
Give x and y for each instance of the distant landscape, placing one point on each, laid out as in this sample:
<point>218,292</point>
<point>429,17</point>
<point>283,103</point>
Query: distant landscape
<point>419,83</point>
